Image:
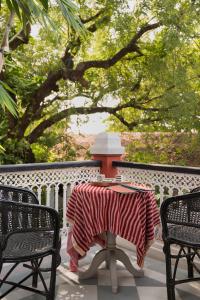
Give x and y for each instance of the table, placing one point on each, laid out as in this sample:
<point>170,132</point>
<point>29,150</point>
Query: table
<point>93,210</point>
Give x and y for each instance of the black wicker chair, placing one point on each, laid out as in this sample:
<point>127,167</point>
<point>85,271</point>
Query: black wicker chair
<point>180,216</point>
<point>29,232</point>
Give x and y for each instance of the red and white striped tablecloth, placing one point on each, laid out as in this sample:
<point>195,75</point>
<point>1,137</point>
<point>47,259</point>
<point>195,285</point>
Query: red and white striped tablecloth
<point>93,210</point>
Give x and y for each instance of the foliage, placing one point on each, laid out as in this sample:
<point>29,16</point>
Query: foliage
<point>140,64</point>
<point>5,99</point>
<point>55,145</point>
<point>31,11</point>
<point>165,148</point>
<point>17,151</point>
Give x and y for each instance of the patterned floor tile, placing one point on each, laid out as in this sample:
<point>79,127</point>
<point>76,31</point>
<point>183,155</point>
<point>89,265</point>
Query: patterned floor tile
<point>77,292</point>
<point>152,293</point>
<point>90,281</point>
<point>148,282</point>
<point>125,293</point>
<point>64,291</point>
<point>149,287</point>
<point>124,278</point>
<point>184,295</point>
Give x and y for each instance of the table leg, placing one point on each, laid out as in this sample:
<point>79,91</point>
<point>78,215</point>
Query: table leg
<point>110,255</point>
<point>113,272</point>
<point>97,260</point>
<point>121,256</point>
<point>107,259</point>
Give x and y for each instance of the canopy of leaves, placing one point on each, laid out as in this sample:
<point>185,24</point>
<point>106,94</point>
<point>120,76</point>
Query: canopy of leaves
<point>163,148</point>
<point>139,63</point>
<point>33,11</point>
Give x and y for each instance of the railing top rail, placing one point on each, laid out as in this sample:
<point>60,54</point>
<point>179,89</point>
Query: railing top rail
<point>48,166</point>
<point>155,167</point>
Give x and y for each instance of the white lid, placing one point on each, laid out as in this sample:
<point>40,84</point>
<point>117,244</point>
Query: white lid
<point>107,143</point>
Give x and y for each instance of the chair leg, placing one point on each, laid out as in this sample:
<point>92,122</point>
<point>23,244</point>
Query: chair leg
<point>169,279</point>
<point>35,277</point>
<point>51,294</point>
<point>189,264</point>
<point>35,280</point>
<point>1,266</point>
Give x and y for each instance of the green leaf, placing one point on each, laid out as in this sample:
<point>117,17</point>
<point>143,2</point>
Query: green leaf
<point>7,102</point>
<point>45,4</point>
<point>9,4</point>
<point>1,149</point>
<point>16,9</point>
<point>70,5</point>
<point>7,87</point>
<point>37,11</point>
<point>69,11</point>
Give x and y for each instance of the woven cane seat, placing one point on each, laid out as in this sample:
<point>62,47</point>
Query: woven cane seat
<point>184,234</point>
<point>21,245</point>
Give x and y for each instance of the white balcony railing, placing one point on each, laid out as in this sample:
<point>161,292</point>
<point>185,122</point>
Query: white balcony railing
<point>166,179</point>
<point>53,182</point>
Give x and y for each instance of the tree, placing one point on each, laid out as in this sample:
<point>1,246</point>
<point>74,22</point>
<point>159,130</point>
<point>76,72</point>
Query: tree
<point>138,64</point>
<point>28,12</point>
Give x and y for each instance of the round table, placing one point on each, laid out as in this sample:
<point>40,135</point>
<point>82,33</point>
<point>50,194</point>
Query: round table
<point>93,210</point>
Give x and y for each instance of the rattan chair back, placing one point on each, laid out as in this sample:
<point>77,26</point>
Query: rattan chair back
<point>15,194</point>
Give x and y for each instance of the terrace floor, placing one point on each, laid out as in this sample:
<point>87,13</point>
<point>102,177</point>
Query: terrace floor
<point>150,287</point>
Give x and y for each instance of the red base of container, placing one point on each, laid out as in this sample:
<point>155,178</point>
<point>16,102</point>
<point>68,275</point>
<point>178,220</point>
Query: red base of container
<point>106,168</point>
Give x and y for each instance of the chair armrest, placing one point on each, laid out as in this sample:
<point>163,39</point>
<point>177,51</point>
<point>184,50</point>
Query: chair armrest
<point>180,210</point>
<point>22,217</point>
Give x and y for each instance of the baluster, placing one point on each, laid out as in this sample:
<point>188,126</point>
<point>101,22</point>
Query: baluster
<point>56,197</point>
<point>70,187</point>
<point>64,205</point>
<point>180,191</point>
<point>48,190</point>
<point>170,191</point>
<point>39,194</point>
<point>161,194</point>
<point>52,197</point>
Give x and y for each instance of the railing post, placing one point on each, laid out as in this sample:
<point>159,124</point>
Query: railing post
<point>107,148</point>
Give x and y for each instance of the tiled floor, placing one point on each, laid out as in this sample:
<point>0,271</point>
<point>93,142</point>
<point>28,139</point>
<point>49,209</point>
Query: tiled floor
<point>150,287</point>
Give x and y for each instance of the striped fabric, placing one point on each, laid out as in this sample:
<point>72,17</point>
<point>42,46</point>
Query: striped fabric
<point>93,210</point>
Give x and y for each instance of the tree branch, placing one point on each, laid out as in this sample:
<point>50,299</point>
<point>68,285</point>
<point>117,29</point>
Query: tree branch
<point>50,84</point>
<point>22,37</point>
<point>77,74</point>
<point>69,112</point>
<point>84,21</point>
<point>86,111</point>
<point>5,43</point>
<point>62,115</point>
<point>131,47</point>
<point>153,109</point>
<point>135,123</point>
<point>130,126</point>
<point>73,46</point>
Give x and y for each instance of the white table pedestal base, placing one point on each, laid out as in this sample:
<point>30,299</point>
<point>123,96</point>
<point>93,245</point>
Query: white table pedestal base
<point>110,255</point>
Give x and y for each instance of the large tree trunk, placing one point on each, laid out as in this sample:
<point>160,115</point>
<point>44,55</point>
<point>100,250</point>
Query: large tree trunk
<point>29,156</point>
